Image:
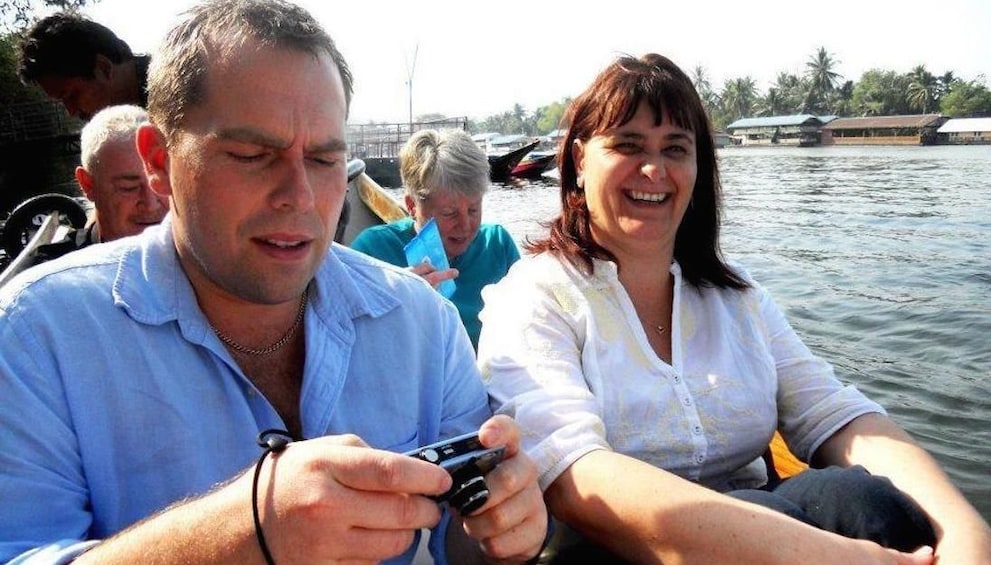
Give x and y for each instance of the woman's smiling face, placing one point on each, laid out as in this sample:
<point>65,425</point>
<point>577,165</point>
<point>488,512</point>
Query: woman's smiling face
<point>638,179</point>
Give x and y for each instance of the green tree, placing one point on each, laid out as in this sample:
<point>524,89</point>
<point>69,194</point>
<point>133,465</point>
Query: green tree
<point>739,98</point>
<point>772,104</point>
<point>822,80</point>
<point>700,78</point>
<point>923,90</point>
<point>549,117</point>
<point>790,93</point>
<point>12,90</point>
<point>842,99</point>
<point>506,122</point>
<point>967,99</point>
<point>880,93</point>
<point>16,14</point>
<point>431,117</point>
<point>945,82</point>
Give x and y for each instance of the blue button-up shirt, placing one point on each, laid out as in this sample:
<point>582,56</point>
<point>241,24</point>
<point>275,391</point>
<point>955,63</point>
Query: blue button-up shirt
<point>119,400</point>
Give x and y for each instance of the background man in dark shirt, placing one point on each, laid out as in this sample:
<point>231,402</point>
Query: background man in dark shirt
<point>83,64</point>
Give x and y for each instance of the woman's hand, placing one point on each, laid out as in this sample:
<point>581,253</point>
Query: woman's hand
<point>432,275</point>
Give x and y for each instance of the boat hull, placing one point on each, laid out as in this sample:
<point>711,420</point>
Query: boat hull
<point>368,204</point>
<point>533,165</point>
<point>500,166</point>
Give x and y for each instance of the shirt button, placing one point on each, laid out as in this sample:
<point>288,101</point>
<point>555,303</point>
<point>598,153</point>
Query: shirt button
<point>251,391</point>
<point>677,379</point>
<point>697,430</point>
<point>699,458</point>
<point>686,401</point>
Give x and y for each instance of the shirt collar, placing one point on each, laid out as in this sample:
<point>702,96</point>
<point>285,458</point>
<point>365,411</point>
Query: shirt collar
<point>152,288</point>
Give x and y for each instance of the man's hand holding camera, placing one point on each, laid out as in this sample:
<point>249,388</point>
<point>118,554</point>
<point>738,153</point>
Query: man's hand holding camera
<point>333,498</point>
<point>512,525</point>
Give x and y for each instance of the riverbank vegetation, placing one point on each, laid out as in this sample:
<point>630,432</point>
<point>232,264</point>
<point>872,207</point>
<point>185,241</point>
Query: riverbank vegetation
<point>818,90</point>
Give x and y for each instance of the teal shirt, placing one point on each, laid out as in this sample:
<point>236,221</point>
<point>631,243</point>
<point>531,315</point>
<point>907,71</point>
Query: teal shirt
<point>486,261</point>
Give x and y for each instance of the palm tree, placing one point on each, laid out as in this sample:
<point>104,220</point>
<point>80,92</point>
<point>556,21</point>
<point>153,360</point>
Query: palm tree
<point>946,83</point>
<point>772,104</point>
<point>739,97</point>
<point>923,89</point>
<point>822,79</point>
<point>700,79</point>
<point>843,99</point>
<point>791,93</point>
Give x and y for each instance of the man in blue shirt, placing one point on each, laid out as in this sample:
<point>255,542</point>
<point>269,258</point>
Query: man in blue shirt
<point>446,176</point>
<point>137,374</point>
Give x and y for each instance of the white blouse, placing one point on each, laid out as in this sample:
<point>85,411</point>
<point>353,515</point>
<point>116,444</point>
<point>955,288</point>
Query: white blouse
<point>566,356</point>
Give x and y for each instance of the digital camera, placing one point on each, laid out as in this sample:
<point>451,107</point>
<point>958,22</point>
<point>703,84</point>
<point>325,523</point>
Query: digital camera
<point>467,461</point>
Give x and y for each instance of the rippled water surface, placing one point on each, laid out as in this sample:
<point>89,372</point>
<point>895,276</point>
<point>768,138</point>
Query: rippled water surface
<point>881,258</point>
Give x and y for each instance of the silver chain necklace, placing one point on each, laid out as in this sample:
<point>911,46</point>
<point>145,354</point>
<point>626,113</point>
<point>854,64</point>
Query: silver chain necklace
<point>229,341</point>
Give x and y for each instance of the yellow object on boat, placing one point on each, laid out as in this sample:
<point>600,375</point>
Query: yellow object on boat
<point>785,461</point>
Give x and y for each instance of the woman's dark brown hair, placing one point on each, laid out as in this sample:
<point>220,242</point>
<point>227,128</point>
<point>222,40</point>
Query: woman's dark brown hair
<point>611,101</point>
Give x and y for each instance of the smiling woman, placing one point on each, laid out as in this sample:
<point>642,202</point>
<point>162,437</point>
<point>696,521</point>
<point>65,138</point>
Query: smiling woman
<point>638,180</point>
<point>626,346</point>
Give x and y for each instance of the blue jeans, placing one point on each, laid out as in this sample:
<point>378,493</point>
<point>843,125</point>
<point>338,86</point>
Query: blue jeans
<point>851,502</point>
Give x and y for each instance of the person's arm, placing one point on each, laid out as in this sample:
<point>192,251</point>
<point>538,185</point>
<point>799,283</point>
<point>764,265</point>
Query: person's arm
<point>648,515</point>
<point>325,499</point>
<point>870,439</point>
<point>531,355</point>
<point>884,448</point>
<point>512,525</point>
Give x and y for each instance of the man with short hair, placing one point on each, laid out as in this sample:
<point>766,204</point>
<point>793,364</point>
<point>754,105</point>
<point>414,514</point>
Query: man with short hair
<point>112,177</point>
<point>82,64</point>
<point>137,374</point>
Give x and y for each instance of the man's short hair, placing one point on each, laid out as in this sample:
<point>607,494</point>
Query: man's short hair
<point>218,29</point>
<point>112,123</point>
<point>66,45</point>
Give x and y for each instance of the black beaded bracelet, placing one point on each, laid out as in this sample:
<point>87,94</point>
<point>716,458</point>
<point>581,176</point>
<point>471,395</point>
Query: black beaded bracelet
<point>271,441</point>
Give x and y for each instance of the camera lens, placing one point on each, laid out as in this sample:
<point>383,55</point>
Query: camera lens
<point>470,496</point>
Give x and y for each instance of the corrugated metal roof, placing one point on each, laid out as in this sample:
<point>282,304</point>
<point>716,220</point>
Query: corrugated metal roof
<point>958,125</point>
<point>876,122</point>
<point>773,121</point>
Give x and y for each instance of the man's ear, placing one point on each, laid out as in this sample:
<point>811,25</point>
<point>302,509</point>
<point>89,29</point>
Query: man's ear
<point>103,68</point>
<point>85,181</point>
<point>155,156</point>
<point>410,205</point>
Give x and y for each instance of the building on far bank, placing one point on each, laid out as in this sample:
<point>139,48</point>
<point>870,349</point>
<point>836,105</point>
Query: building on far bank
<point>722,139</point>
<point>800,130</point>
<point>965,131</point>
<point>919,129</point>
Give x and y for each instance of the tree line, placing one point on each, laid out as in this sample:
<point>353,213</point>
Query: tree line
<point>819,90</point>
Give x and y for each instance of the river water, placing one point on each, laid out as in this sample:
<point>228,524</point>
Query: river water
<point>881,259</point>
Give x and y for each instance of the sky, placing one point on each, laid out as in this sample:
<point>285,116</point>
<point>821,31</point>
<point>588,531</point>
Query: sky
<point>476,59</point>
